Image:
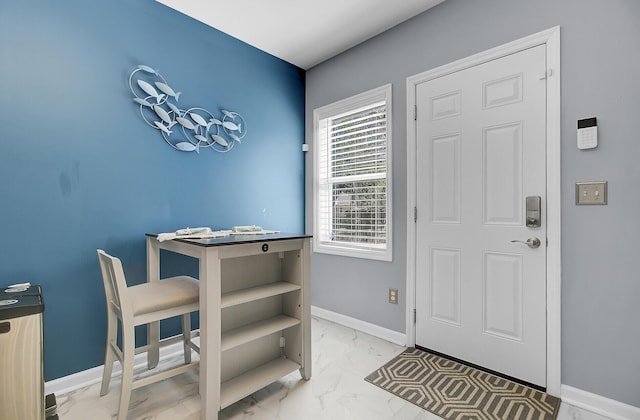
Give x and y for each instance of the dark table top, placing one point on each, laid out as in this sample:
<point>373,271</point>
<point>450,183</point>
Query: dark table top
<point>239,239</point>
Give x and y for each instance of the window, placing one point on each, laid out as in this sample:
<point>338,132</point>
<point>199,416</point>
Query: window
<point>352,176</point>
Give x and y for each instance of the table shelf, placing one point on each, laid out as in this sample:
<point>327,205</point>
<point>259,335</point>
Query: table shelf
<point>255,379</point>
<point>251,332</point>
<point>255,293</point>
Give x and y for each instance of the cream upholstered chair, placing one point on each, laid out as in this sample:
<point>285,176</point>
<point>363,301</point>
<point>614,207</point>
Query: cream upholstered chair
<point>138,305</point>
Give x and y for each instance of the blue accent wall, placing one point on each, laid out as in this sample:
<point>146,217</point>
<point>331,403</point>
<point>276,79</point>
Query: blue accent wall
<point>80,169</point>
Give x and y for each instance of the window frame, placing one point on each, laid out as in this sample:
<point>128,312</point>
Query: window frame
<point>353,103</point>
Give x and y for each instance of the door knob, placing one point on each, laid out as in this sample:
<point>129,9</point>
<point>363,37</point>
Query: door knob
<point>531,242</point>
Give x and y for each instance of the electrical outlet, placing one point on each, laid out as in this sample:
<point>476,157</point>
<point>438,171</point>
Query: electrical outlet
<point>393,295</point>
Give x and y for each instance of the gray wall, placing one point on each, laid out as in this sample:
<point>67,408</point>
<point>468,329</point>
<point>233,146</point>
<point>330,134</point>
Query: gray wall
<point>600,59</point>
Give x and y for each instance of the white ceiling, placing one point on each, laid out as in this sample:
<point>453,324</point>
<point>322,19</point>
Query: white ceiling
<point>302,32</point>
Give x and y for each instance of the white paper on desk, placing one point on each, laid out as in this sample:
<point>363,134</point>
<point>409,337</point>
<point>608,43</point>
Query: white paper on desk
<point>246,229</point>
<point>251,230</point>
<point>197,233</point>
<point>256,232</point>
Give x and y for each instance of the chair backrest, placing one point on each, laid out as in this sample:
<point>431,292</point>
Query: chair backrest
<point>115,285</point>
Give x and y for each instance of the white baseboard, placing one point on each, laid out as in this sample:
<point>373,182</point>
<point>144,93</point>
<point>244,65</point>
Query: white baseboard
<point>371,329</point>
<point>92,376</point>
<point>597,404</point>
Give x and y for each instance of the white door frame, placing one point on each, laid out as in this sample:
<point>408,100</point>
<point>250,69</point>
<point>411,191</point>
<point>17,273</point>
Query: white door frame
<point>550,38</point>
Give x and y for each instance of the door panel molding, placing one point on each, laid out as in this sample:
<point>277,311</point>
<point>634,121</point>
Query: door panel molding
<point>498,171</point>
<point>551,39</point>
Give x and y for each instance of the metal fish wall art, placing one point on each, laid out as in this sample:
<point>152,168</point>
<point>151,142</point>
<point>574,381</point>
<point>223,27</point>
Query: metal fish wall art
<point>167,89</point>
<point>186,123</point>
<point>219,140</point>
<point>157,102</point>
<point>147,69</point>
<point>174,108</point>
<point>150,90</point>
<point>143,102</point>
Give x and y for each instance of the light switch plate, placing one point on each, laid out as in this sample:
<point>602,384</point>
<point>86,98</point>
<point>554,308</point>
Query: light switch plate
<point>591,193</point>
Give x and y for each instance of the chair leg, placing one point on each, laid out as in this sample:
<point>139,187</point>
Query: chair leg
<point>112,334</point>
<point>128,353</point>
<point>153,338</point>
<point>186,337</point>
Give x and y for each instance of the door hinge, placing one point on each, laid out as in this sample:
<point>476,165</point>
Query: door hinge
<point>414,316</point>
<point>415,214</point>
<point>545,74</point>
<point>415,113</point>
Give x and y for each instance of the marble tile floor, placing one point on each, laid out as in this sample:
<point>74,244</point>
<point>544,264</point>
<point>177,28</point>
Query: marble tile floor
<point>342,357</point>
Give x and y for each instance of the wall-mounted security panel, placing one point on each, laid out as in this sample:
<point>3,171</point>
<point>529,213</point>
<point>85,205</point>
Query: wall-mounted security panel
<point>587,133</point>
<point>591,193</point>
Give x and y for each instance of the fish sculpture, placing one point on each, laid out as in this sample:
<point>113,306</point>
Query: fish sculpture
<point>219,140</point>
<point>186,123</point>
<point>201,138</point>
<point>142,102</point>
<point>231,126</point>
<point>167,90</point>
<point>228,114</point>
<point>185,146</point>
<point>147,69</point>
<point>175,109</point>
<point>150,90</point>
<point>194,122</point>
<point>164,115</point>
<point>162,127</point>
<point>198,119</point>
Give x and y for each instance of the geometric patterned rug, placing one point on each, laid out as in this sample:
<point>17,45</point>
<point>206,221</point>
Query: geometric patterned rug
<point>456,391</point>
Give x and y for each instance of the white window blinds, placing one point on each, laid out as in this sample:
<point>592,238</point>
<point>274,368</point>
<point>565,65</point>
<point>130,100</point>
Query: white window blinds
<point>352,180</point>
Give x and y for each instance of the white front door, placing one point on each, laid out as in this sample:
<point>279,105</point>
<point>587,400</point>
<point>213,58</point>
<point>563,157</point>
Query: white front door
<point>481,136</point>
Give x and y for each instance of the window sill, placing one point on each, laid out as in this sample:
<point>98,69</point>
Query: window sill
<point>353,252</point>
